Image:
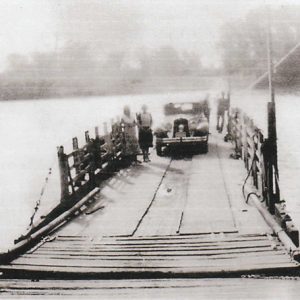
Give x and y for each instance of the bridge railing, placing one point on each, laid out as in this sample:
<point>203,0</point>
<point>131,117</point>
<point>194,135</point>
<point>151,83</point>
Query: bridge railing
<point>253,148</point>
<point>248,142</point>
<point>83,168</point>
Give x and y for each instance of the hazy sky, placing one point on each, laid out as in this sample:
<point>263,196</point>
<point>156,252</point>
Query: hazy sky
<point>41,25</point>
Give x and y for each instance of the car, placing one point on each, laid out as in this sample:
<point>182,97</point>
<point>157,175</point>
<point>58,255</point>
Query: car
<point>186,128</point>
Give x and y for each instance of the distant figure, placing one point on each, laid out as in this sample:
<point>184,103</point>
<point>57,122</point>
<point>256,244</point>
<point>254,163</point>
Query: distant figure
<point>206,108</point>
<point>131,144</point>
<point>144,121</point>
<point>222,107</point>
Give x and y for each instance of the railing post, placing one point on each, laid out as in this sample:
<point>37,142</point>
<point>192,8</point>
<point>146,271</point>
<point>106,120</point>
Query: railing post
<point>245,154</point>
<point>87,136</point>
<point>228,136</point>
<point>261,175</point>
<point>107,135</point>
<point>97,148</point>
<point>97,132</point>
<point>76,154</point>
<point>273,194</point>
<point>237,135</point>
<point>255,169</point>
<point>64,173</point>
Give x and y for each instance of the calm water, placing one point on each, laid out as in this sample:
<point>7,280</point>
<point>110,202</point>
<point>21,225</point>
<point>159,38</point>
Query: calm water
<point>31,130</point>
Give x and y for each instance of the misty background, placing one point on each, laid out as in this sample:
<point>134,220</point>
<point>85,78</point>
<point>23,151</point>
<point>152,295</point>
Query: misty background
<point>68,48</point>
<point>178,50</point>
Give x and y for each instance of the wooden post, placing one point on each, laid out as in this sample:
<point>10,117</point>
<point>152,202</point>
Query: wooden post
<point>261,175</point>
<point>64,173</point>
<point>76,158</point>
<point>92,161</point>
<point>255,157</point>
<point>228,112</point>
<point>97,132</point>
<point>271,157</point>
<point>97,147</point>
<point>87,136</point>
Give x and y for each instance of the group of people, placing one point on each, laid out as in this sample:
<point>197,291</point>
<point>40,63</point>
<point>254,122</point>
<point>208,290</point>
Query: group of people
<point>133,145</point>
<point>143,121</point>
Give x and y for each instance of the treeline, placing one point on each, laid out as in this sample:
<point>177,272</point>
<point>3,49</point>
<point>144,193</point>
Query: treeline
<point>243,42</point>
<point>76,71</point>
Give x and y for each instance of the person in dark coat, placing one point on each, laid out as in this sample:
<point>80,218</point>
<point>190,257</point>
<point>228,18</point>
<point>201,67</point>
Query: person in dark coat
<point>144,121</point>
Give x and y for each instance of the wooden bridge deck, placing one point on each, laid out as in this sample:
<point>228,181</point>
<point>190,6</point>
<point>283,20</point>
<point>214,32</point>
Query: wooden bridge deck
<point>171,217</point>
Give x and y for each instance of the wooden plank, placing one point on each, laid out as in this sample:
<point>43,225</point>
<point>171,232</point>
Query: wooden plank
<point>248,220</point>
<point>185,252</point>
<point>170,270</point>
<point>218,288</point>
<point>227,254</point>
<point>156,257</point>
<point>156,248</point>
<point>183,263</point>
<point>206,265</point>
<point>151,242</point>
<point>208,207</point>
<point>212,238</point>
<point>261,253</point>
<point>137,247</point>
<point>169,201</point>
<point>201,237</point>
<point>119,198</point>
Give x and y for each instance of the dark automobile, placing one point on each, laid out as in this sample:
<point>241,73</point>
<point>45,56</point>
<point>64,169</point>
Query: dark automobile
<point>186,128</point>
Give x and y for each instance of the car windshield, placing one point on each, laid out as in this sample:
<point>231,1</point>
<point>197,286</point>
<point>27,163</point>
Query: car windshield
<point>179,108</point>
<point>185,107</point>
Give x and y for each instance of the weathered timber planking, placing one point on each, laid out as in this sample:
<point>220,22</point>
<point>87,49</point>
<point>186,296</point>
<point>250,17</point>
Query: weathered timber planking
<point>143,241</point>
<point>102,266</point>
<point>207,208</point>
<point>217,231</point>
<point>201,237</point>
<point>231,288</point>
<point>155,248</point>
<point>155,253</point>
<point>181,256</point>
<point>212,246</point>
<point>125,198</point>
<point>248,219</point>
<point>171,271</point>
<point>169,201</point>
<point>224,262</point>
<point>261,253</point>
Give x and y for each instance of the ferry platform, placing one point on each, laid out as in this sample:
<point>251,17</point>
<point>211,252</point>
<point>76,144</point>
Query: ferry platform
<point>172,217</point>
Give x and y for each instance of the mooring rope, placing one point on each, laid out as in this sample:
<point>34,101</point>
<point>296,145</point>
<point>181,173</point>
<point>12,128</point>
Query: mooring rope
<point>38,202</point>
<point>245,181</point>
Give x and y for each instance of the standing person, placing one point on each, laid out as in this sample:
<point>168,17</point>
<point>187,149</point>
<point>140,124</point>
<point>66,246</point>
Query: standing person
<point>131,143</point>
<point>222,107</point>
<point>144,120</point>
